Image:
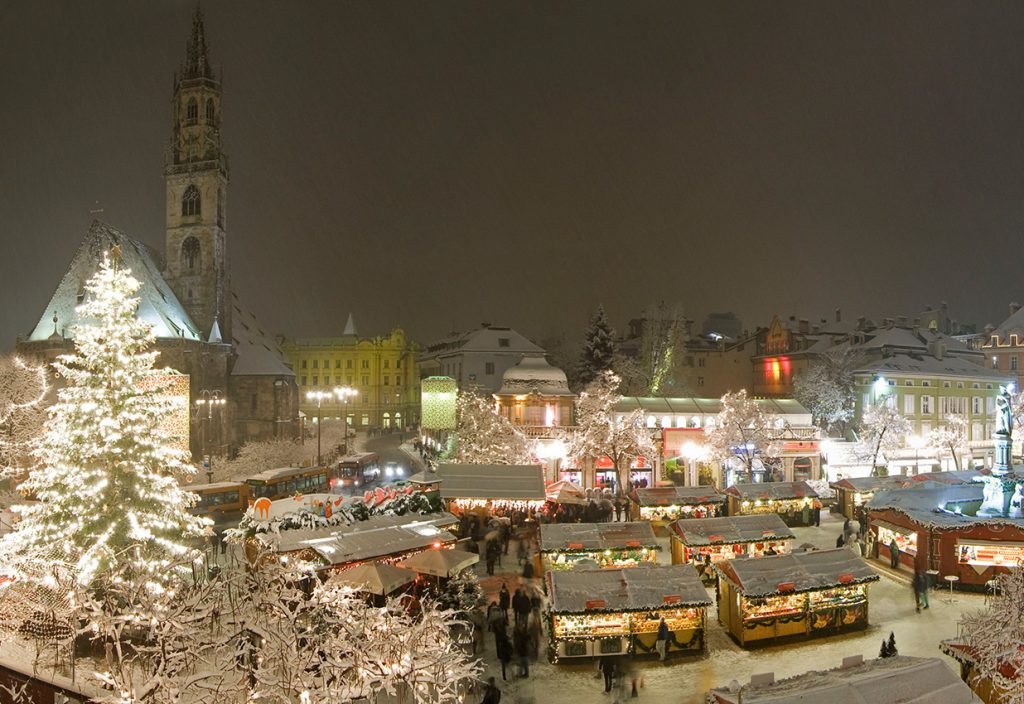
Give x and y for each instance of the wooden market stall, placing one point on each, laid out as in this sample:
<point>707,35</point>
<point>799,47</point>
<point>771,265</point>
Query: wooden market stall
<point>795,502</point>
<point>615,612</point>
<point>609,545</point>
<point>696,540</point>
<point>852,494</point>
<point>492,489</point>
<point>668,503</point>
<point>989,687</point>
<point>937,528</point>
<point>816,593</point>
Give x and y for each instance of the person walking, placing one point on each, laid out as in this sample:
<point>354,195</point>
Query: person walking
<point>492,695</point>
<point>504,651</point>
<point>521,608</point>
<point>920,590</point>
<point>840,541</point>
<point>894,554</point>
<point>492,556</point>
<point>535,629</point>
<point>817,515</point>
<point>607,667</point>
<point>521,648</point>
<point>662,643</point>
<point>504,599</point>
<point>618,509</point>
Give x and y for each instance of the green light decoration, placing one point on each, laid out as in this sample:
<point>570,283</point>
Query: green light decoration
<point>437,400</point>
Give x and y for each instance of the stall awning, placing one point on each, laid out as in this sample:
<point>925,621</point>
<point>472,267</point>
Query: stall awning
<point>596,536</point>
<point>508,482</point>
<point>634,589</point>
<point>776,491</point>
<point>798,572</point>
<point>678,496</point>
<point>730,530</point>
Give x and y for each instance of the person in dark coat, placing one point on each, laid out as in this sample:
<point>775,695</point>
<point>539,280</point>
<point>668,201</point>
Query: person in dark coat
<point>618,509</point>
<point>504,600</point>
<point>840,541</point>
<point>521,649</point>
<point>920,591</point>
<point>607,667</point>
<point>504,651</point>
<point>492,695</point>
<point>894,554</point>
<point>521,608</point>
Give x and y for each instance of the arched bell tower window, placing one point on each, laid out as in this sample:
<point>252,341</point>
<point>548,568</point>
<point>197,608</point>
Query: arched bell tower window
<point>192,112</point>
<point>210,113</point>
<point>191,203</point>
<point>190,255</point>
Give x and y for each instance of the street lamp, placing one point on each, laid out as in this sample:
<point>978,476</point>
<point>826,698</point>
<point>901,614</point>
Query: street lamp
<point>344,393</point>
<point>341,393</point>
<point>916,442</point>
<point>208,400</point>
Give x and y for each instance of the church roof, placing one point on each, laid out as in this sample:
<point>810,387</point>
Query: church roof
<point>158,305</point>
<point>197,60</point>
<point>258,352</point>
<point>533,375</point>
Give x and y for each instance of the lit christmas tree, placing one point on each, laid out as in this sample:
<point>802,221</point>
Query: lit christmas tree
<point>106,481</point>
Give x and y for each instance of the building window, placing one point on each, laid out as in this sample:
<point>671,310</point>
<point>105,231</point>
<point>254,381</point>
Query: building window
<point>945,384</point>
<point>192,112</point>
<point>337,379</point>
<point>253,403</point>
<point>366,364</point>
<point>316,379</point>
<point>398,364</point>
<point>398,381</point>
<point>191,203</point>
<point>387,363</point>
<point>337,364</point>
<point>1013,363</point>
<point>210,112</point>
<point>700,361</point>
<point>503,342</point>
<point>316,364</point>
<point>190,253</point>
<point>489,368</point>
<point>926,405</point>
<point>926,383</point>
<point>348,380</point>
<point>995,362</point>
<point>304,380</point>
<point>327,364</point>
<point>303,364</point>
<point>959,384</point>
<point>976,405</point>
<point>387,380</point>
<point>700,381</point>
<point>366,419</point>
<point>975,385</point>
<point>909,405</point>
<point>348,364</point>
<point>908,382</point>
<point>366,380</point>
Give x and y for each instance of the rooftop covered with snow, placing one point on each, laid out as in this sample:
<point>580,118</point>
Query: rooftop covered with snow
<point>764,491</point>
<point>632,589</point>
<point>806,571</point>
<point>533,375</point>
<point>730,529</point>
<point>596,536</point>
<point>678,496</point>
<point>516,482</point>
<point>937,505</point>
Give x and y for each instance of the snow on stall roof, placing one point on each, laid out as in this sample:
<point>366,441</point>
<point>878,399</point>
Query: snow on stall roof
<point>597,536</point>
<point>730,529</point>
<point>632,589</point>
<point>772,490</point>
<point>963,476</point>
<point>790,409</point>
<point>679,496</point>
<point>894,680</point>
<point>523,482</point>
<point>933,504</point>
<point>808,571</point>
<point>860,484</point>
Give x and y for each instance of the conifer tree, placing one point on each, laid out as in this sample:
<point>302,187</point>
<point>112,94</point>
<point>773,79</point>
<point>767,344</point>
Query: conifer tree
<point>106,481</point>
<point>598,354</point>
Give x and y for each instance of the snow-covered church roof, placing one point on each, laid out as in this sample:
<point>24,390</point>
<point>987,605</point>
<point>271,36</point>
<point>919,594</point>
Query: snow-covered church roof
<point>258,353</point>
<point>158,305</point>
<point>533,375</point>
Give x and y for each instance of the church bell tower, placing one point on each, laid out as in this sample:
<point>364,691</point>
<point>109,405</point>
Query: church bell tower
<point>196,176</point>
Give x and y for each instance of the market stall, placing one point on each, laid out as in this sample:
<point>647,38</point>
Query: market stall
<point>852,494</point>
<point>609,545</point>
<point>667,503</point>
<point>615,612</point>
<point>971,547</point>
<point>795,502</point>
<point>489,490</point>
<point>702,540</point>
<point>816,593</point>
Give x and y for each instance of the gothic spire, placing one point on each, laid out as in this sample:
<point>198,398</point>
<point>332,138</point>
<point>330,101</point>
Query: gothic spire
<point>197,62</point>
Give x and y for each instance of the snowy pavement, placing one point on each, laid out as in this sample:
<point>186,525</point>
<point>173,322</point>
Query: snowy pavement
<point>685,680</point>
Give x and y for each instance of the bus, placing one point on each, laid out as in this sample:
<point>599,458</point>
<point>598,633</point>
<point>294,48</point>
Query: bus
<point>287,481</point>
<point>356,471</point>
<point>221,497</point>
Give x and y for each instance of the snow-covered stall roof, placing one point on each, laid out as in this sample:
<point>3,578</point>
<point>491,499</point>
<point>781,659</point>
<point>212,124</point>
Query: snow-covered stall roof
<point>633,589</point>
<point>772,490</point>
<point>679,496</point>
<point>492,481</point>
<point>964,653</point>
<point>895,680</point>
<point>730,529</point>
<point>963,476</point>
<point>805,572</point>
<point>596,536</point>
<point>935,505</point>
<point>860,484</point>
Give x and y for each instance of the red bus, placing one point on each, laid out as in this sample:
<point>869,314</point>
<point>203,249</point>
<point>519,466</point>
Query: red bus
<point>356,471</point>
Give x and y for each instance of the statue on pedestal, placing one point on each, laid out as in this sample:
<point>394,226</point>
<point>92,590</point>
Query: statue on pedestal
<point>998,499</point>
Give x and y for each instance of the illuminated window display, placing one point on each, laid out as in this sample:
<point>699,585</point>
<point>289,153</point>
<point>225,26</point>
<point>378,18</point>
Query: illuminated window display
<point>726,538</point>
<point>980,552</point>
<point>795,502</point>
<point>825,592</point>
<point>673,502</point>
<point>906,539</point>
<point>601,612</point>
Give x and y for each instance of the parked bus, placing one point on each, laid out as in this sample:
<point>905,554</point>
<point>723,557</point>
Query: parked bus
<point>356,471</point>
<point>287,481</point>
<point>218,498</point>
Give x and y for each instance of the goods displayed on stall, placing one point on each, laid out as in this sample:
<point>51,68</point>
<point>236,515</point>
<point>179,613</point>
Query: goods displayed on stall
<point>615,612</point>
<point>667,503</point>
<point>966,543</point>
<point>820,592</point>
<point>851,494</point>
<point>492,489</point>
<point>795,502</point>
<point>608,545</point>
<point>700,540</point>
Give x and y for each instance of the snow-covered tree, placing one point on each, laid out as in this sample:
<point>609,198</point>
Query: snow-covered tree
<point>883,430</point>
<point>259,455</point>
<point>995,638</point>
<point>599,433</point>
<point>462,593</point>
<point>23,409</point>
<point>952,438</point>
<point>826,388</point>
<point>107,481</point>
<point>598,354</point>
<point>659,368</point>
<point>743,431</point>
<point>482,436</point>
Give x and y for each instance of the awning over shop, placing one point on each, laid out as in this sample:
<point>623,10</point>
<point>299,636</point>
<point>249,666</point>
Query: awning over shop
<point>797,572</point>
<point>730,530</point>
<point>636,589</point>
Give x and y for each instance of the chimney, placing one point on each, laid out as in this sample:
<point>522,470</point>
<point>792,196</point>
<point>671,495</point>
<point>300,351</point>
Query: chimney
<point>901,321</point>
<point>839,315</point>
<point>1014,307</point>
<point>485,325</point>
<point>804,326</point>
<point>888,323</point>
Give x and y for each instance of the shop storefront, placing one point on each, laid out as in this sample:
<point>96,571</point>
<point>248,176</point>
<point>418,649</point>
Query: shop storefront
<point>700,541</point>
<point>572,475</point>
<point>852,494</point>
<point>604,545</point>
<point>617,612</point>
<point>822,593</point>
<point>794,502</point>
<point>640,473</point>
<point>513,491</point>
<point>668,503</point>
<point>936,528</point>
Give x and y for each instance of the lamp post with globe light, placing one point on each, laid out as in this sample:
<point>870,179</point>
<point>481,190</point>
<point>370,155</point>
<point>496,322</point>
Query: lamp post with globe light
<point>342,394</point>
<point>207,401</point>
<point>916,442</point>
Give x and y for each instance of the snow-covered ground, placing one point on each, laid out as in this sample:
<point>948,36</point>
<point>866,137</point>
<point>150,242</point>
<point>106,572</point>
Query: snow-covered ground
<point>686,680</point>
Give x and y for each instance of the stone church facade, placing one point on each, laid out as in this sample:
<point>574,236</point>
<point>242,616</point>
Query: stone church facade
<point>201,328</point>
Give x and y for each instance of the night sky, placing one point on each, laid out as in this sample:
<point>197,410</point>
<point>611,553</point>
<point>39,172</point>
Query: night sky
<point>438,164</point>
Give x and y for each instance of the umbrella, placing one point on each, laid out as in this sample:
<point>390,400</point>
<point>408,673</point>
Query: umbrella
<point>565,492</point>
<point>440,563</point>
<point>374,577</point>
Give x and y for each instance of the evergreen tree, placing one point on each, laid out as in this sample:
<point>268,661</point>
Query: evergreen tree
<point>598,354</point>
<point>892,645</point>
<point>884,651</point>
<point>106,480</point>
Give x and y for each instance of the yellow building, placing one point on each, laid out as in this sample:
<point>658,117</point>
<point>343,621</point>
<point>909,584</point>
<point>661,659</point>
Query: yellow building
<point>381,371</point>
